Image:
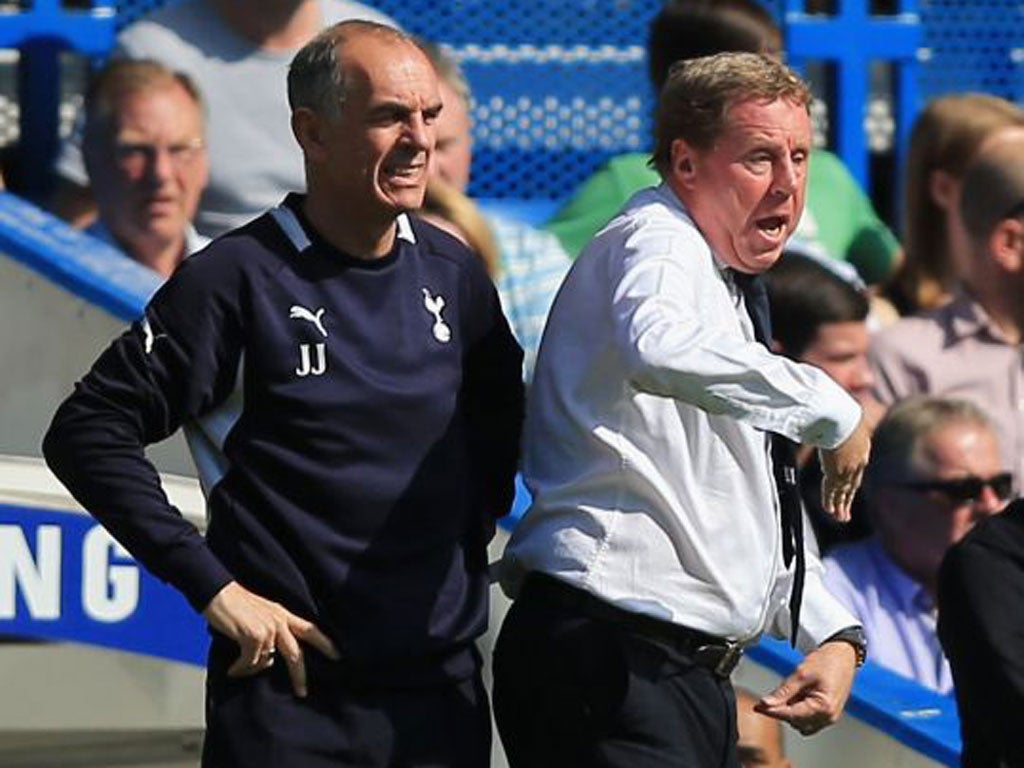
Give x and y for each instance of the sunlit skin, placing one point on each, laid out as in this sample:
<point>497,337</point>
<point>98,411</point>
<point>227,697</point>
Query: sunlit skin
<point>149,172</point>
<point>370,165</point>
<point>453,154</point>
<point>917,527</point>
<point>746,193</point>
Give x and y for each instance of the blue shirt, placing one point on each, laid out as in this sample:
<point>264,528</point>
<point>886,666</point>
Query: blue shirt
<point>533,265</point>
<point>898,615</point>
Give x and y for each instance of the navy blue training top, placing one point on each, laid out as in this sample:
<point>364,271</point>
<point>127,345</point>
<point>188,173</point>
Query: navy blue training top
<point>355,424</point>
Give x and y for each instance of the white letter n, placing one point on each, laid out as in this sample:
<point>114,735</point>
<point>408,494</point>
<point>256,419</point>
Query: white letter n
<point>38,578</point>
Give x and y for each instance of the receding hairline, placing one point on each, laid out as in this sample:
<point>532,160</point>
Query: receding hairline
<point>346,34</point>
<point>125,79</point>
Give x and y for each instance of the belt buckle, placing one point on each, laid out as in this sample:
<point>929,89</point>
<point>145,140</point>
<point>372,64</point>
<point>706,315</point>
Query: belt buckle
<point>728,660</point>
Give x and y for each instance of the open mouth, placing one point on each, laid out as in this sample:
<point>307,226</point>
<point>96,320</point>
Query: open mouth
<point>406,172</point>
<point>772,226</point>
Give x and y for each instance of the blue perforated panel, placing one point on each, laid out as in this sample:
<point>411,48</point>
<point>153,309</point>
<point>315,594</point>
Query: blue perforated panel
<point>972,46</point>
<point>560,85</point>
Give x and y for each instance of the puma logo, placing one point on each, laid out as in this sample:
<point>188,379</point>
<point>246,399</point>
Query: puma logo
<point>301,313</point>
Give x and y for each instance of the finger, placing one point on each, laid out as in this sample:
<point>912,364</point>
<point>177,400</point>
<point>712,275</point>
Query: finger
<point>783,693</point>
<point>842,512</point>
<point>828,495</point>
<point>243,666</point>
<point>310,633</point>
<point>291,651</point>
<point>799,713</point>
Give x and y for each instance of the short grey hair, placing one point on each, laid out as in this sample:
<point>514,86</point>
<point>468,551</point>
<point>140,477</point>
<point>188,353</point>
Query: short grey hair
<point>698,94</point>
<point>316,79</point>
<point>898,441</point>
<point>120,79</point>
<point>448,70</point>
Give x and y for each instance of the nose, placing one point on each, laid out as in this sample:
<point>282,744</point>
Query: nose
<point>420,134</point>
<point>988,503</point>
<point>161,166</point>
<point>862,376</point>
<point>786,177</point>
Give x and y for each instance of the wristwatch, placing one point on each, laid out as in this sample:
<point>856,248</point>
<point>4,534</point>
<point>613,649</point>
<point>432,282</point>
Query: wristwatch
<point>855,636</point>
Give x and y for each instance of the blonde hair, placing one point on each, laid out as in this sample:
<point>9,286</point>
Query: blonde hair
<point>945,137</point>
<point>446,202</point>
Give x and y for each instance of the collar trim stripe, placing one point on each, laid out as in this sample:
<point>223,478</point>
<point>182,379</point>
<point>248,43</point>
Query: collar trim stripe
<point>292,228</point>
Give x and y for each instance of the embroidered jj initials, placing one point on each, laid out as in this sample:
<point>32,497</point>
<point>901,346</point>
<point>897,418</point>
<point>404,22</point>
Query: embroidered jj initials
<point>434,305</point>
<point>308,367</point>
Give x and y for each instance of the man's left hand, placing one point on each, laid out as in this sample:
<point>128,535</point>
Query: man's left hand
<point>813,697</point>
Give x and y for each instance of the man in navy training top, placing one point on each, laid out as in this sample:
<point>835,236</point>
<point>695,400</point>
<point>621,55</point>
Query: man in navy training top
<point>352,395</point>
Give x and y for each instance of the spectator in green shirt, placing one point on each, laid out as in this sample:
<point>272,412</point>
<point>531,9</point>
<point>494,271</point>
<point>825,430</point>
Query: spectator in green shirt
<point>839,221</point>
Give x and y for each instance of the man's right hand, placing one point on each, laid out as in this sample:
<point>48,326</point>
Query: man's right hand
<point>262,629</point>
<point>843,468</point>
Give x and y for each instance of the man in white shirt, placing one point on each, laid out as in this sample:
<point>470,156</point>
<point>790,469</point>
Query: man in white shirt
<point>651,556</point>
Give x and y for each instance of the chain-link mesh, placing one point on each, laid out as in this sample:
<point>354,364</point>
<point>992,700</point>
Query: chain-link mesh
<point>561,85</point>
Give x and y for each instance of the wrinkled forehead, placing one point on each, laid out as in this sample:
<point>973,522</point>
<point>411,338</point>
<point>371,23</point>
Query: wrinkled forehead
<point>382,67</point>
<point>167,107</point>
<point>781,118</point>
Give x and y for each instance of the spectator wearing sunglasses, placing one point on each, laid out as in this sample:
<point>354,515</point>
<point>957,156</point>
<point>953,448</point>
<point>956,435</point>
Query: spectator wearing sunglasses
<point>971,347</point>
<point>935,471</point>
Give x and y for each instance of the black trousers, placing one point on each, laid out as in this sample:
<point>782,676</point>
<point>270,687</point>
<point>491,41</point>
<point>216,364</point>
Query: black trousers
<point>257,722</point>
<point>571,691</point>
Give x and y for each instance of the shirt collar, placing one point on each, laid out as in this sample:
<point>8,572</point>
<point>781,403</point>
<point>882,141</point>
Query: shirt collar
<point>289,218</point>
<point>672,200</point>
<point>193,240</point>
<point>964,317</point>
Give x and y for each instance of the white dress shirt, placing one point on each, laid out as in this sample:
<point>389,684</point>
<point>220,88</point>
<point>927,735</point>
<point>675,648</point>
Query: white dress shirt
<point>645,446</point>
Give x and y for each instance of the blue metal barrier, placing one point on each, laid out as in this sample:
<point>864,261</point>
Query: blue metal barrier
<point>41,34</point>
<point>852,40</point>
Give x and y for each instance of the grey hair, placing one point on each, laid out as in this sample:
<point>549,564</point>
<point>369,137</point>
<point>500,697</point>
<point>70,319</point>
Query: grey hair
<point>121,78</point>
<point>316,79</point>
<point>898,441</point>
<point>448,70</point>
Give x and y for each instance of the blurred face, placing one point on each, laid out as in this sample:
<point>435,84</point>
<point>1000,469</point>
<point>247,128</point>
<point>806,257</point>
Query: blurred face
<point>841,350</point>
<point>454,152</point>
<point>746,192</point>
<point>759,742</point>
<point>150,172</point>
<point>918,526</point>
<point>375,157</point>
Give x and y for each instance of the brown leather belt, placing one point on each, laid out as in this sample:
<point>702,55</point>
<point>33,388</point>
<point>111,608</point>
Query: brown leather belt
<point>714,653</point>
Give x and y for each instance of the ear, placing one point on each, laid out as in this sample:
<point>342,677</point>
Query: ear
<point>1006,245</point>
<point>942,188</point>
<point>683,162</point>
<point>308,129</point>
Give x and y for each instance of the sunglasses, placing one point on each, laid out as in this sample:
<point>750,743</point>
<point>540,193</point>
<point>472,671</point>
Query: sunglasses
<point>965,489</point>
